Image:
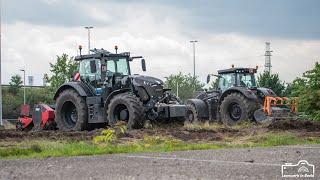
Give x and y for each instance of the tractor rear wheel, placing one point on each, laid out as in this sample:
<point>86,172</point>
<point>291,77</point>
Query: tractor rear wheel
<point>236,108</point>
<point>71,112</point>
<point>126,107</point>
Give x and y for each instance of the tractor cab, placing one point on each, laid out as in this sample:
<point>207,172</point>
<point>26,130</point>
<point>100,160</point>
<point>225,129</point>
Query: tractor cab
<point>103,67</point>
<point>235,77</point>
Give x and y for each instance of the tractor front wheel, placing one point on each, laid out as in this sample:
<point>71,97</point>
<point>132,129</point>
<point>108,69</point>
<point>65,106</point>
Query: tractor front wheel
<point>126,107</point>
<point>236,108</point>
<point>71,112</point>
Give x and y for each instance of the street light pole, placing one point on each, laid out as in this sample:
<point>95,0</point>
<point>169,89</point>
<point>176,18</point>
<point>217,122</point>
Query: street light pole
<point>1,122</point>
<point>194,57</point>
<point>24,85</point>
<point>88,28</point>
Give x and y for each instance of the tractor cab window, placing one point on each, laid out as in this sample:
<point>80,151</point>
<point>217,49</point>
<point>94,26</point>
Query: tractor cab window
<point>117,65</point>
<point>226,81</point>
<point>90,70</point>
<point>122,66</point>
<point>247,80</point>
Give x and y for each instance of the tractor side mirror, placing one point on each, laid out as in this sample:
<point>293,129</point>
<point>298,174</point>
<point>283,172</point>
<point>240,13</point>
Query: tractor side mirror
<point>93,67</point>
<point>208,78</point>
<point>143,65</point>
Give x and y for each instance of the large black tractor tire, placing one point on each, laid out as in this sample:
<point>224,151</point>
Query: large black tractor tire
<point>192,114</point>
<point>236,108</point>
<point>71,112</point>
<point>126,107</point>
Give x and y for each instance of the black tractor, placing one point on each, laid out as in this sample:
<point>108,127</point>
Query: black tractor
<point>234,98</point>
<point>104,92</point>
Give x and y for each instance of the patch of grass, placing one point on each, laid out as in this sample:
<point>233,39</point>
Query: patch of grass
<point>272,139</point>
<point>204,126</point>
<point>42,149</point>
<point>20,151</point>
<point>214,126</point>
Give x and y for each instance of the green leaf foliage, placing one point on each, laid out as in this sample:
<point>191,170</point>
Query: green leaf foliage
<point>187,85</point>
<point>271,81</point>
<point>15,84</point>
<point>12,102</point>
<point>307,89</point>
<point>62,70</point>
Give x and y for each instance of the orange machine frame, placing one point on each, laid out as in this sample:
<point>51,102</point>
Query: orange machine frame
<point>270,101</point>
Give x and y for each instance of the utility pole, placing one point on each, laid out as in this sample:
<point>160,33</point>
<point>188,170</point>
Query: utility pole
<point>194,57</point>
<point>177,88</point>
<point>24,85</point>
<point>88,28</point>
<point>267,65</point>
<point>1,121</point>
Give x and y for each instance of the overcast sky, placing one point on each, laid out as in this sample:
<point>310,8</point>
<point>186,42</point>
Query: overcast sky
<point>228,31</point>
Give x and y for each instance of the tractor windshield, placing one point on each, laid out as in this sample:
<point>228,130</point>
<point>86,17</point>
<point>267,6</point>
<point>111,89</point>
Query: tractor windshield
<point>118,65</point>
<point>90,69</point>
<point>247,80</point>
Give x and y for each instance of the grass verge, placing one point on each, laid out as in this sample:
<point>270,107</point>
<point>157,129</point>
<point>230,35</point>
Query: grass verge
<point>44,149</point>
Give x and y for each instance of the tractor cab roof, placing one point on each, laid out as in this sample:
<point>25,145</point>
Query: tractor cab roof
<point>100,53</point>
<point>238,70</point>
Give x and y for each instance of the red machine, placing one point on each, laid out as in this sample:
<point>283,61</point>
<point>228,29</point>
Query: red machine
<point>41,118</point>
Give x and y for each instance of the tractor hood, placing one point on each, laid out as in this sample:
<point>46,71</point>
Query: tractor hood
<point>148,87</point>
<point>146,80</point>
<point>266,91</point>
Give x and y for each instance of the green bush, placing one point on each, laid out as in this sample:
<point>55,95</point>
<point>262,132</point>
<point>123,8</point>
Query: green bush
<point>12,102</point>
<point>307,89</point>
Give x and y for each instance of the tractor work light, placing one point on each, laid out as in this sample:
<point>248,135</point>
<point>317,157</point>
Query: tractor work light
<point>116,48</point>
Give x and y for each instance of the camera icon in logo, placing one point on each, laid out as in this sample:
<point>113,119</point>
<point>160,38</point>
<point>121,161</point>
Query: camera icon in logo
<point>301,169</point>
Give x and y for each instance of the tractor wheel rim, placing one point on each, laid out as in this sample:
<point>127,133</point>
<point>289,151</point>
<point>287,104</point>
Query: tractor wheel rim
<point>235,111</point>
<point>190,116</point>
<point>121,113</point>
<point>74,115</point>
<point>70,114</point>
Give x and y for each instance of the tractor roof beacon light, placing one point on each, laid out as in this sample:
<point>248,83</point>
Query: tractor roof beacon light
<point>116,48</point>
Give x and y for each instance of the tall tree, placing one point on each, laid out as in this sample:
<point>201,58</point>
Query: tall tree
<point>271,81</point>
<point>62,70</point>
<point>15,84</point>
<point>187,85</point>
<point>307,89</point>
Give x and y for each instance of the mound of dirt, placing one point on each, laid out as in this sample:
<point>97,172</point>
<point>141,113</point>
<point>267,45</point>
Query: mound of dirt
<point>295,125</point>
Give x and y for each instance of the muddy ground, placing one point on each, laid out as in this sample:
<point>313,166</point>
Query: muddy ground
<point>179,131</point>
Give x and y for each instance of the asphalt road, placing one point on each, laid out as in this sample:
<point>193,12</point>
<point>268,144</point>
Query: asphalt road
<point>248,163</point>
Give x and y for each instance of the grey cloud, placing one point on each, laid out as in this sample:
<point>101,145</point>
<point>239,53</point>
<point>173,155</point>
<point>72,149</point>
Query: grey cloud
<point>60,13</point>
<point>285,19</point>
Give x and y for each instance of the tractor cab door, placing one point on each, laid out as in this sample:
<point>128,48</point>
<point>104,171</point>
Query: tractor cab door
<point>226,81</point>
<point>90,71</point>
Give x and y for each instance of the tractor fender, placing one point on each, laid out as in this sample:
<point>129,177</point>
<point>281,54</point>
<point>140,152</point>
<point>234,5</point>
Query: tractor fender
<point>201,107</point>
<point>116,92</point>
<point>77,86</point>
<point>266,91</point>
<point>244,91</point>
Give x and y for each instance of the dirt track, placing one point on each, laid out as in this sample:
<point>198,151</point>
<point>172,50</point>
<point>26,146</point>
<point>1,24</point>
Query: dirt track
<point>302,128</point>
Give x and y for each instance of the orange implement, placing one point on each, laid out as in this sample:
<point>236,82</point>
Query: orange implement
<point>270,101</point>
